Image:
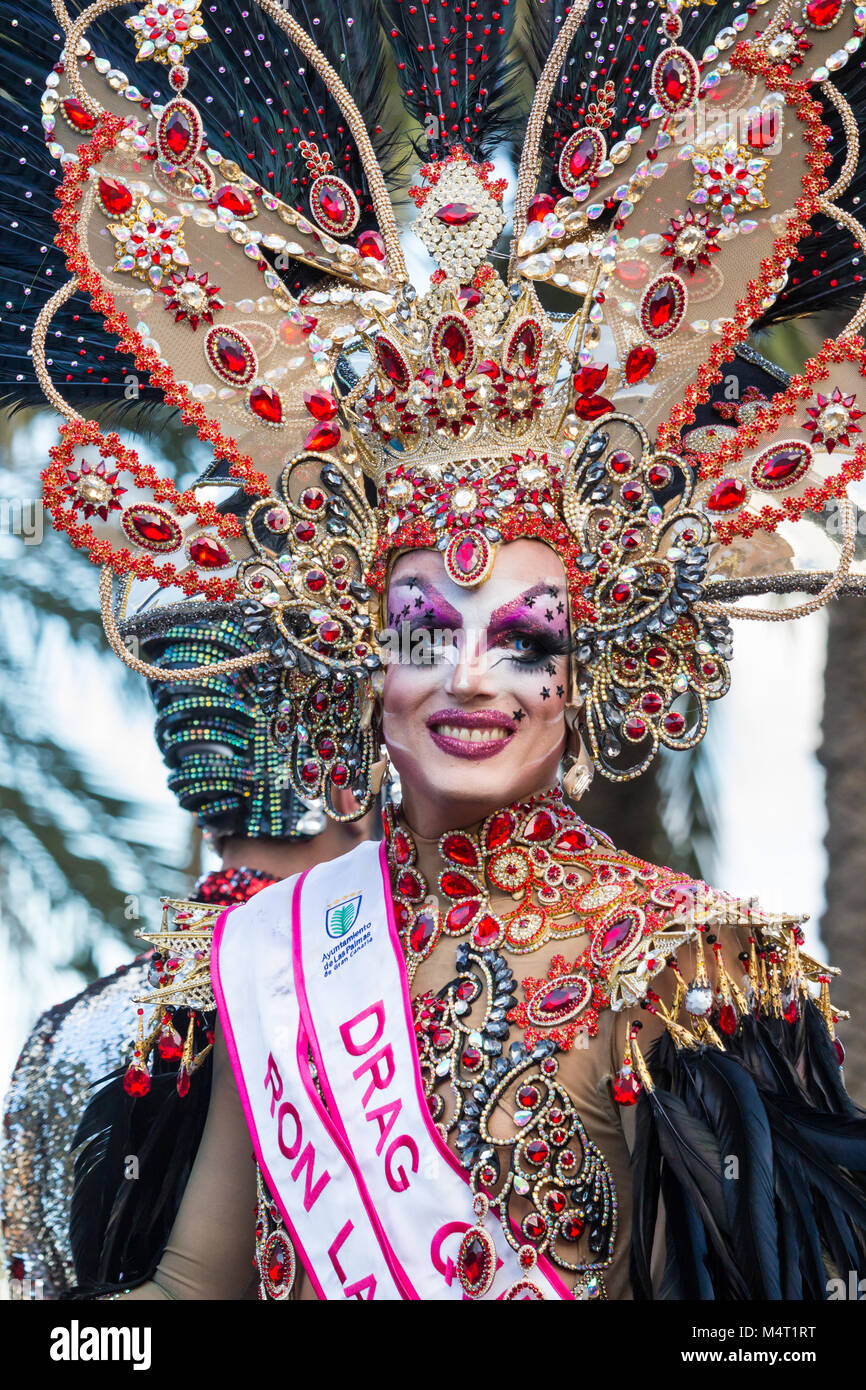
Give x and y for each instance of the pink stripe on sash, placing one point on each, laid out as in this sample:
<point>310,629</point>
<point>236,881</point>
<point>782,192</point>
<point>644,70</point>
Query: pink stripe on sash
<point>436,1139</point>
<point>234,1058</point>
<point>331,1118</point>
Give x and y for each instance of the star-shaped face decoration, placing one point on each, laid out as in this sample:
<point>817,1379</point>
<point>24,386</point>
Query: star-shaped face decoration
<point>149,244</point>
<point>190,297</point>
<point>691,241</point>
<point>833,419</point>
<point>730,179</point>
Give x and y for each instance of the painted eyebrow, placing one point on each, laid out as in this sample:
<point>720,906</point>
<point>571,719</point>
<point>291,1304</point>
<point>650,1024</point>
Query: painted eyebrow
<point>501,615</point>
<point>445,612</point>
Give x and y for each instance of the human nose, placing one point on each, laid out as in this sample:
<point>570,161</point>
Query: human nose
<point>470,674</point>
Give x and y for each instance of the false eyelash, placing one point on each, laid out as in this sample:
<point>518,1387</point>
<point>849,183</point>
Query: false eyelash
<point>548,648</point>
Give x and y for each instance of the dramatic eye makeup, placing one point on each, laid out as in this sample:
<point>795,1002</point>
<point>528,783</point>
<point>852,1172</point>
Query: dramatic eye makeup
<point>531,629</point>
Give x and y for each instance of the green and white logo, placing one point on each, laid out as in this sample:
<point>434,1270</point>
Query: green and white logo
<point>342,917</point>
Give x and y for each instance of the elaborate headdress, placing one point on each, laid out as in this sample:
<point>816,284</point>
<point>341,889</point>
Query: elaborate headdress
<point>673,172</point>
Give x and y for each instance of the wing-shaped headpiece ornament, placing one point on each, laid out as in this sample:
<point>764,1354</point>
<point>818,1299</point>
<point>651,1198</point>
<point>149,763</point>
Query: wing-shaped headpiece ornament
<point>678,173</point>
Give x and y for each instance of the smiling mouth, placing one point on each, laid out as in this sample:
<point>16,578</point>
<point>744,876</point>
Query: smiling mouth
<point>471,735</point>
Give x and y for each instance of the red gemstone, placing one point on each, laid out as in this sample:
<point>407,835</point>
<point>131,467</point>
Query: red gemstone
<point>441,1037</point>
<point>457,214</point>
<point>763,130</point>
<point>727,495</point>
<point>791,1013</point>
<point>305,531</point>
<point>487,930</point>
<point>634,728</point>
<point>231,355</point>
<point>333,203</point>
<point>540,827</point>
<point>461,915</point>
<point>169,1044</point>
<point>620,461</point>
<point>453,340</point>
<point>423,931</point>
<point>621,593</point>
<point>590,379</point>
<point>656,657</point>
<point>467,555</point>
<point>615,935</point>
<point>152,529</point>
<point>537,1151</point>
<point>340,775</point>
<point>310,772</point>
<point>839,1051</point>
<point>573,840</point>
<point>592,407</point>
<point>527,1097</point>
<point>460,849</point>
<point>183,1082</point>
<point>234,200</point>
<point>676,80</point>
<point>326,748</point>
<point>572,1226</point>
<point>781,464</point>
<point>330,632</point>
<point>555,1201</point>
<point>728,1020</point>
<point>471,1058</point>
<point>487,367</point>
<point>315,580</point>
<point>456,885</point>
<point>823,13</point>
<point>632,492</point>
<point>626,1087</point>
<point>114,196</point>
<point>499,829</point>
<point>312,498</point>
<point>391,362</point>
<point>371,244</point>
<point>266,403</point>
<point>208,554</point>
<point>410,886</point>
<point>136,1080</point>
<point>469,297</point>
<point>534,1226</point>
<point>582,158</point>
<point>77,114</point>
<point>321,404</point>
<point>401,847</point>
<point>474,1261</point>
<point>661,305</point>
<point>539,206</point>
<point>651,702</point>
<point>322,437</point>
<point>177,131</point>
<point>561,999</point>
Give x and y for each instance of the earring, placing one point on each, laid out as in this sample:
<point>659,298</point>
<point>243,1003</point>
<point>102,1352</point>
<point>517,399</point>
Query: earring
<point>379,771</point>
<point>576,781</point>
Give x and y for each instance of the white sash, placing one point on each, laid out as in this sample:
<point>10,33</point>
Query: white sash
<point>302,1157</point>
<point>354,1001</point>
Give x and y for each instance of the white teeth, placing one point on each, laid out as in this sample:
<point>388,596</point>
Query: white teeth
<point>476,735</point>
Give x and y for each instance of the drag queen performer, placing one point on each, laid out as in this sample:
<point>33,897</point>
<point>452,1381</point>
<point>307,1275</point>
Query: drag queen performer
<point>496,532</point>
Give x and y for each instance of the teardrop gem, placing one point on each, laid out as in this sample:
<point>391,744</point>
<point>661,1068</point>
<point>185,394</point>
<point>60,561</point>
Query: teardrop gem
<point>115,197</point>
<point>460,850</point>
<point>77,114</point>
<point>208,554</point>
<point>488,930</point>
<point>456,885</point>
<point>372,245</point>
<point>136,1081</point>
<point>322,405</point>
<point>539,206</point>
<point>728,1020</point>
<point>822,14</point>
<point>265,402</point>
<point>322,437</point>
<point>626,1087</point>
<point>410,886</point>
<point>461,915</point>
<point>574,840</point>
<point>234,200</point>
<point>333,204</point>
<point>539,828</point>
<point>392,362</point>
<point>727,495</point>
<point>499,829</point>
<point>639,363</point>
<point>457,214</point>
<point>454,343</point>
<point>169,1044</point>
<point>424,930</point>
<point>590,379</point>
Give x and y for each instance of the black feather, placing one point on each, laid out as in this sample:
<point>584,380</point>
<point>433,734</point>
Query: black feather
<point>453,70</point>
